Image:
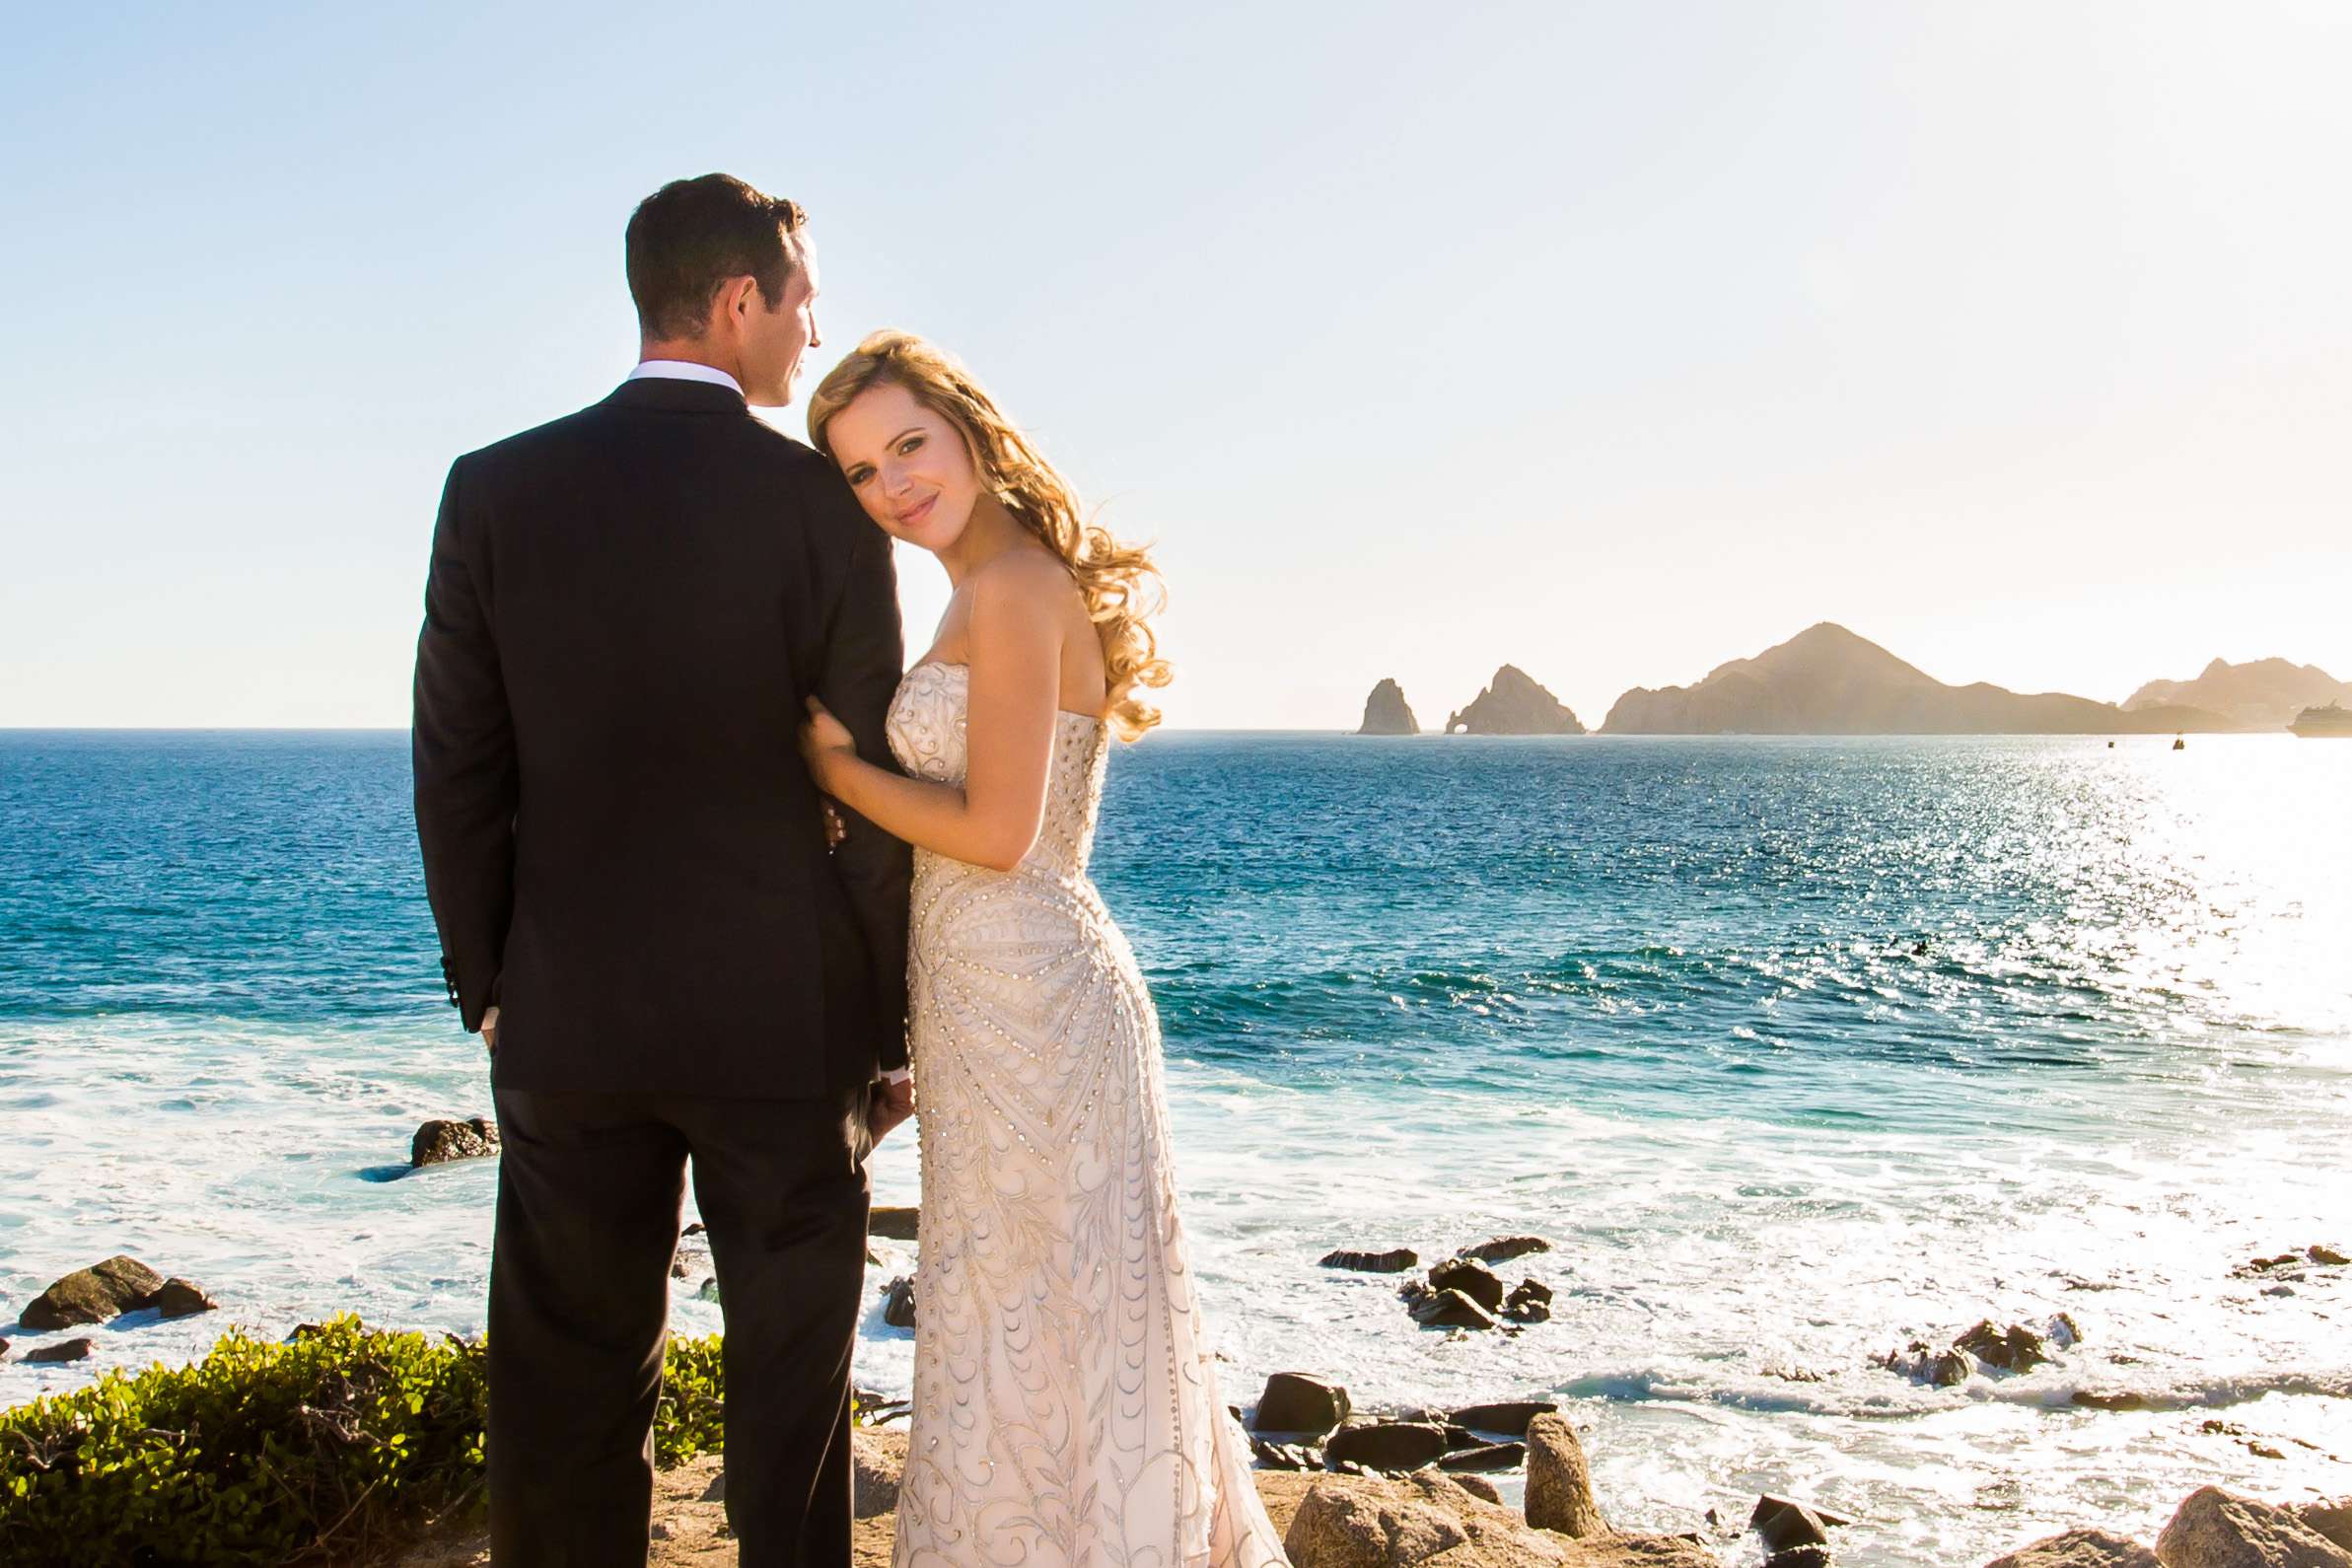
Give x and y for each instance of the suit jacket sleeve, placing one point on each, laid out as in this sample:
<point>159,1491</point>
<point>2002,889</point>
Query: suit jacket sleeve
<point>865,653</point>
<point>462,752</point>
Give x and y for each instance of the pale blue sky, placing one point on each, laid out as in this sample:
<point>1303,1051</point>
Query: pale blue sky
<point>1612,340</point>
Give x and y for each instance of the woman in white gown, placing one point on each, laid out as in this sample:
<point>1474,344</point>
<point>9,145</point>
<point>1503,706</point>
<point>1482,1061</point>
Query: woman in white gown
<point>1066,1411</point>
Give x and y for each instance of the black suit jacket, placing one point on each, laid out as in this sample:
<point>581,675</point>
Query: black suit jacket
<point>622,849</point>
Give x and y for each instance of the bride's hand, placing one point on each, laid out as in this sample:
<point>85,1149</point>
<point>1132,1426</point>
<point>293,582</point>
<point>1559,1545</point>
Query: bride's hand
<point>826,744</point>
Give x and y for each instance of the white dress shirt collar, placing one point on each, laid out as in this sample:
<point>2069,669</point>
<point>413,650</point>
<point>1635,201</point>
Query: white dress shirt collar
<point>684,370</point>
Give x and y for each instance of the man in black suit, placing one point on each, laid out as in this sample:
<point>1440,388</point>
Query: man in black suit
<point>638,905</point>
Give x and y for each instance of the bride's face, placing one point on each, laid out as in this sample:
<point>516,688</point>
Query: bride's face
<point>908,465</point>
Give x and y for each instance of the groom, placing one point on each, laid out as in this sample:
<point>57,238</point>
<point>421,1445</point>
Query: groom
<point>637,904</point>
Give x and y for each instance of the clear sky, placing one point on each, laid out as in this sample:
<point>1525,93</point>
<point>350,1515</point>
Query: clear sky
<point>1609,340</point>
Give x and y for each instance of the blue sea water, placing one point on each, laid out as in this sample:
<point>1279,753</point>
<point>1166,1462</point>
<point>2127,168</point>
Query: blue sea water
<point>1796,1050</point>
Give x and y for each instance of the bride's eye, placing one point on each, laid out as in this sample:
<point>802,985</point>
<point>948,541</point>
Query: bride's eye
<point>908,447</point>
<point>859,475</point>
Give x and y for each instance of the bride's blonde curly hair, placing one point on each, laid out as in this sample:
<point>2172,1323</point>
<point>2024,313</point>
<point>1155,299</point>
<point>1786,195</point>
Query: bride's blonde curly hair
<point>1122,588</point>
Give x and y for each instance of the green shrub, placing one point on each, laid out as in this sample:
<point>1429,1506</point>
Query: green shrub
<point>338,1443</point>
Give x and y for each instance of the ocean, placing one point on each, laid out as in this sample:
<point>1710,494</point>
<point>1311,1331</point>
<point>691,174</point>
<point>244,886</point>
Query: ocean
<point>1796,1050</point>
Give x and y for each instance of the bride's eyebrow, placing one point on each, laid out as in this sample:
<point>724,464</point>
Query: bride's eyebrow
<point>910,430</point>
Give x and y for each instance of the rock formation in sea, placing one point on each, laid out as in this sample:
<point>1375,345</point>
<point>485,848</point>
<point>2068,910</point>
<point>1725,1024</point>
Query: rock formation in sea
<point>1826,680</point>
<point>2263,694</point>
<point>1385,712</point>
<point>1514,705</point>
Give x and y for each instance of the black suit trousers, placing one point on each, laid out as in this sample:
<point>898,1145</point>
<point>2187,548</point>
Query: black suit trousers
<point>591,1190</point>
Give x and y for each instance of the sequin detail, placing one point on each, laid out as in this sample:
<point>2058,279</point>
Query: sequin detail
<point>1066,1412</point>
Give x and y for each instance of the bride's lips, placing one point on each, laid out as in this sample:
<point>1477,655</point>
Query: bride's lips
<point>916,514</point>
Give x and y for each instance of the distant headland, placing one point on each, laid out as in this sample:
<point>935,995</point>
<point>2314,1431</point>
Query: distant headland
<point>1826,680</point>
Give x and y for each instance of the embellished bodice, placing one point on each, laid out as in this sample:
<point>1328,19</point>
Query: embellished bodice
<point>927,737</point>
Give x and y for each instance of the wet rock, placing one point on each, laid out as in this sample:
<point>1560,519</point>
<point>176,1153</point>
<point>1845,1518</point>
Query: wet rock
<point>1770,1504</point>
<point>898,1309</point>
<point>893,1223</point>
<point>2064,1331</point>
<point>1475,1280</point>
<point>2092,1399</point>
<point>2012,1349</point>
<point>1951,1369</point>
<point>1451,1308</point>
<point>1530,1302</point>
<point>1786,1526</point>
<point>695,1229</point>
<point>1533,1312</point>
<point>177,1298</point>
<point>1485,1457</point>
<point>91,1295</point>
<point>441,1142</point>
<point>1295,1403</point>
<point>1509,1419</point>
<point>2080,1549</point>
<point>64,1350</point>
<point>1285,1455</point>
<point>2328,1256</point>
<point>2214,1529</point>
<point>1393,1261</point>
<point>1559,1481</point>
<point>1503,1248</point>
<point>1392,1445</point>
<point>878,1458</point>
<point>1800,1558</point>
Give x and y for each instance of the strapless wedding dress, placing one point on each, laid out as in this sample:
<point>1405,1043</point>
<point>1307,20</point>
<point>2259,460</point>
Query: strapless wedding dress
<point>1066,1412</point>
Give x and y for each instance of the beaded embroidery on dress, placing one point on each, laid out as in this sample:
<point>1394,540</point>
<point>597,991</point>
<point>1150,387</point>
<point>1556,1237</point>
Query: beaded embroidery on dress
<point>1065,1411</point>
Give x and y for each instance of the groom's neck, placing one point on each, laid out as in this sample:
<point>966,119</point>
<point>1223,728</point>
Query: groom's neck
<point>694,351</point>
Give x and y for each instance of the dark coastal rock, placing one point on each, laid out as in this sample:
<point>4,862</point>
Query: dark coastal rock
<point>695,1229</point>
<point>1514,705</point>
<point>440,1142</point>
<point>1451,1308</point>
<point>1785,1525</point>
<point>1485,1457</point>
<point>1951,1369</point>
<point>2094,1399</point>
<point>2015,1348</point>
<point>1800,1558</point>
<point>1769,1506</point>
<point>1285,1455</point>
<point>1393,1261</point>
<point>2,1350</point>
<point>1475,1280</point>
<point>1295,1403</point>
<point>2328,1256</point>
<point>64,1350</point>
<point>1528,1312</point>
<point>177,1298</point>
<point>1559,1481</point>
<point>1393,1445</point>
<point>898,1310</point>
<point>893,1223</point>
<point>1530,1302</point>
<point>93,1294</point>
<point>1509,1419</point>
<point>1385,712</point>
<point>2214,1529</point>
<point>2080,1549</point>
<point>1503,1248</point>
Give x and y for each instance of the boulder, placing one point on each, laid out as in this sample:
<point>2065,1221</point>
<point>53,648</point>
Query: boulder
<point>1385,712</point>
<point>1509,1419</point>
<point>1436,1520</point>
<point>1451,1308</point>
<point>2080,1549</point>
<point>440,1142</point>
<point>1559,1481</point>
<point>1503,1248</point>
<point>1767,1507</point>
<point>1530,1302</point>
<point>1295,1403</point>
<point>93,1294</point>
<point>2214,1529</point>
<point>1473,1279</point>
<point>1388,1446</point>
<point>1485,1457</point>
<point>1393,1261</point>
<point>177,1298</point>
<point>2328,1256</point>
<point>898,1310</point>
<point>1284,1455</point>
<point>1785,1525</point>
<point>2332,1520</point>
<point>63,1350</point>
<point>2012,1349</point>
<point>879,1458</point>
<point>893,1224</point>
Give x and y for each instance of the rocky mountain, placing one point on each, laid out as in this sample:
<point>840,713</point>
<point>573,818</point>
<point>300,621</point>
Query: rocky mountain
<point>1514,705</point>
<point>2265,694</point>
<point>1826,681</point>
<point>1385,712</point>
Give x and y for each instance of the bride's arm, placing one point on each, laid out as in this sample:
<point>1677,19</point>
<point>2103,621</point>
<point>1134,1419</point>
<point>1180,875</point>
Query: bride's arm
<point>992,817</point>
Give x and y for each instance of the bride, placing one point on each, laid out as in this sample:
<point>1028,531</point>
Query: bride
<point>1066,1412</point>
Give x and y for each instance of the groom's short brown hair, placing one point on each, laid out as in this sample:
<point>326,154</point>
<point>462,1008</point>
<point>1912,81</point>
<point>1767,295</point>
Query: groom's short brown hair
<point>693,235</point>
